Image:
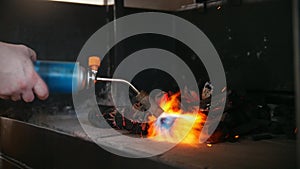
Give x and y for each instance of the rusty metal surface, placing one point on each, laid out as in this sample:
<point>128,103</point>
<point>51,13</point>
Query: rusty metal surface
<point>39,147</point>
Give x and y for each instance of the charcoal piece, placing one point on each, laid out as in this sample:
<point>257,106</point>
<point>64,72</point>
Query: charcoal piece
<point>217,137</point>
<point>207,90</point>
<point>253,126</point>
<point>139,116</point>
<point>97,120</point>
<point>127,124</point>
<point>261,136</point>
<point>262,112</point>
<point>223,134</point>
<point>118,120</point>
<point>140,128</point>
<point>275,128</point>
<point>141,101</point>
<point>103,94</point>
<point>283,112</point>
<point>283,121</point>
<point>107,117</point>
<point>205,104</point>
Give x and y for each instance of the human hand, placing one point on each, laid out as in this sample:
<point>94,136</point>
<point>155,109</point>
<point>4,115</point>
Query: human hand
<point>18,79</point>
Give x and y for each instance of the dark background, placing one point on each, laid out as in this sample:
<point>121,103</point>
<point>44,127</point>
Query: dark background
<point>253,40</point>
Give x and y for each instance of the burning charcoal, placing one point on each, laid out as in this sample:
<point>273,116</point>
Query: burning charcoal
<point>219,100</point>
<point>222,134</point>
<point>205,104</point>
<point>139,128</point>
<point>109,117</point>
<point>207,91</point>
<point>128,124</point>
<point>218,136</point>
<point>117,119</point>
<point>190,97</point>
<point>140,116</point>
<point>141,101</point>
<point>150,106</point>
<point>98,120</point>
<point>114,118</point>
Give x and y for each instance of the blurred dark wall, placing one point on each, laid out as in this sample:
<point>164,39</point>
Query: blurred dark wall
<point>55,30</point>
<point>254,41</point>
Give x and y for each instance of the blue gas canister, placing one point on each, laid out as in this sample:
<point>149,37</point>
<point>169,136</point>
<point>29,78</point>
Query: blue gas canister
<point>67,77</point>
<point>63,77</point>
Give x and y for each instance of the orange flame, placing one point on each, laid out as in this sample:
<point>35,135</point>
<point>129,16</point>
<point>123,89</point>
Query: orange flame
<point>176,125</point>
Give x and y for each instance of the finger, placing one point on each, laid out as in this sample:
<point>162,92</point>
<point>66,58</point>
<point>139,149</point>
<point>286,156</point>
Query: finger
<point>32,54</point>
<point>4,97</point>
<point>15,97</point>
<point>41,89</point>
<point>28,95</point>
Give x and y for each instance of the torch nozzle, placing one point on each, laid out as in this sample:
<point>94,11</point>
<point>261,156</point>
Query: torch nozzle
<point>141,100</point>
<point>94,64</point>
<point>118,80</point>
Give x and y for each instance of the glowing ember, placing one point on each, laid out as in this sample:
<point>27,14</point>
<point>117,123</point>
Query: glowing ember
<point>236,136</point>
<point>209,145</point>
<point>176,125</point>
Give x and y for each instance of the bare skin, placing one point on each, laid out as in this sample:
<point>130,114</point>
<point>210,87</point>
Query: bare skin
<point>18,79</point>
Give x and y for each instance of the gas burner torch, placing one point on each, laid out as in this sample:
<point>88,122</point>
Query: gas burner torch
<point>68,77</point>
